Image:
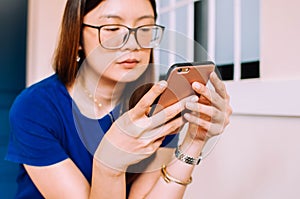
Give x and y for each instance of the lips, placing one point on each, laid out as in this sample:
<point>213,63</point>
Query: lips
<point>129,63</point>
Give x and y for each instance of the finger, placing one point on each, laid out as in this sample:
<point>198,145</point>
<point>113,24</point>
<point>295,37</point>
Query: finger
<point>169,128</point>
<point>209,111</point>
<point>209,95</point>
<point>156,144</point>
<point>211,127</point>
<point>171,111</point>
<point>220,88</point>
<point>147,100</point>
<point>204,100</point>
<point>206,125</point>
<point>218,85</point>
<point>162,130</point>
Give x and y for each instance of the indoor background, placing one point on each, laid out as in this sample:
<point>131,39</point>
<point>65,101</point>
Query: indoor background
<point>254,43</point>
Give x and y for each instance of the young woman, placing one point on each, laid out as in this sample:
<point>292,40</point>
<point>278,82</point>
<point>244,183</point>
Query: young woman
<point>74,134</point>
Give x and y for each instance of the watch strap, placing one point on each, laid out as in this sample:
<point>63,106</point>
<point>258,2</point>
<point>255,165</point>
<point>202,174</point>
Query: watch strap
<point>186,158</point>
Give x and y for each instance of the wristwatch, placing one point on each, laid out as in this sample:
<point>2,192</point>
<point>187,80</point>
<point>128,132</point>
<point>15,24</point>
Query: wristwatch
<point>186,158</point>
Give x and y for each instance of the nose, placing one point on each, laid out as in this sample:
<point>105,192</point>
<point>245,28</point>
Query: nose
<point>131,43</point>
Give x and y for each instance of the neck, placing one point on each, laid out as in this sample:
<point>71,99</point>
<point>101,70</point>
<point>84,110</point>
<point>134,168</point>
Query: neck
<point>96,96</point>
<point>108,92</point>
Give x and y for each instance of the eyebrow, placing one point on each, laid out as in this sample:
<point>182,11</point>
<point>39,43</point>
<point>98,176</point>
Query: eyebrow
<point>120,18</point>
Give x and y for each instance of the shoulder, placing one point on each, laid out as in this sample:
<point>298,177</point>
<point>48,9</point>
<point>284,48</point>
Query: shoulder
<point>43,91</point>
<point>46,87</point>
<point>39,101</point>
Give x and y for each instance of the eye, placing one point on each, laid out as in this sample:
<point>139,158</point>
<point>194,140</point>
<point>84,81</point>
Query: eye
<point>146,29</point>
<point>111,28</point>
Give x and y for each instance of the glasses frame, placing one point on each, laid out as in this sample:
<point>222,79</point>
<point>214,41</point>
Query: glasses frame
<point>131,30</point>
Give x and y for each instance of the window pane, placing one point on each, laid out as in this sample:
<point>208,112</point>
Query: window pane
<point>250,30</point>
<point>164,56</point>
<point>164,3</point>
<point>201,30</point>
<point>181,34</point>
<point>224,32</point>
<point>177,43</point>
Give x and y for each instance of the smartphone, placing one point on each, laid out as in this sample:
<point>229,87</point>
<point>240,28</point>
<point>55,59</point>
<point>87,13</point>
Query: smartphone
<point>180,77</point>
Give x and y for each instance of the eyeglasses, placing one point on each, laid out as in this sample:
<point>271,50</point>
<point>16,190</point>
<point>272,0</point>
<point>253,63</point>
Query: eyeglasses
<point>115,36</point>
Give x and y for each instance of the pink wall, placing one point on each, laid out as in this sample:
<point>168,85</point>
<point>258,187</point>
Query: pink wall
<point>258,155</point>
<point>280,42</point>
<point>43,21</point>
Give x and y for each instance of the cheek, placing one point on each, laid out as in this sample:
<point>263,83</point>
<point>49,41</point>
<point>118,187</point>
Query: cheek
<point>145,56</point>
<point>100,60</point>
<point>90,41</point>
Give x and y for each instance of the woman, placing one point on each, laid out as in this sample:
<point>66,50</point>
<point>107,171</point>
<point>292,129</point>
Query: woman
<point>104,54</point>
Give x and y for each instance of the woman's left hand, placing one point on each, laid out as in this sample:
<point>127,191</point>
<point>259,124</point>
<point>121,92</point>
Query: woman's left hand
<point>210,115</point>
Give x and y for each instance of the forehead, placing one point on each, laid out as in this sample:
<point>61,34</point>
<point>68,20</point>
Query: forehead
<point>122,10</point>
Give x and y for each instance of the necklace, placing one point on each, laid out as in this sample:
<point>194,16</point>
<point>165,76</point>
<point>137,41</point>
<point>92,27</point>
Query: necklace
<point>99,104</point>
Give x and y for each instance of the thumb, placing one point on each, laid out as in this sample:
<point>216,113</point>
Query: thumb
<point>147,100</point>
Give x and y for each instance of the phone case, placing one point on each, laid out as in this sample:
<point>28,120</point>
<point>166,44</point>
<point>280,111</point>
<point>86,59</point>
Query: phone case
<point>180,78</point>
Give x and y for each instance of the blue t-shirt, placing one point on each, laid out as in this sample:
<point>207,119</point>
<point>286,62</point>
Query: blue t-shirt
<point>47,127</point>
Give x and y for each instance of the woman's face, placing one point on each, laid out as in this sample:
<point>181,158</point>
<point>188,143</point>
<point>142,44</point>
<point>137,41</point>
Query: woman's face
<point>130,61</point>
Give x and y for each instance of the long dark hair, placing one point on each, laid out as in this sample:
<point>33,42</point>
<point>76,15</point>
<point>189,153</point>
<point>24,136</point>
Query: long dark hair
<point>65,64</point>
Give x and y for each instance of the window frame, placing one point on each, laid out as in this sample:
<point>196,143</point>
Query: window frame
<point>256,96</point>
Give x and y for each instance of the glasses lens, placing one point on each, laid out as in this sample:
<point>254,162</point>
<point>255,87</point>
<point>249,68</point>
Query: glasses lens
<point>113,36</point>
<point>149,36</point>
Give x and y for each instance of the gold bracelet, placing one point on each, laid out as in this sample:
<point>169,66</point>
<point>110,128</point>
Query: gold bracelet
<point>166,176</point>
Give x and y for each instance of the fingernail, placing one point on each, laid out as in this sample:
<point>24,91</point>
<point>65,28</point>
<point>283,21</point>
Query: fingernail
<point>214,75</point>
<point>163,84</point>
<point>197,85</point>
<point>187,116</point>
<point>195,98</point>
<point>188,105</point>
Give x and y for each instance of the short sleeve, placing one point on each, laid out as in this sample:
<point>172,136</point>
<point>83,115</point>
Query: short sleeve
<point>36,131</point>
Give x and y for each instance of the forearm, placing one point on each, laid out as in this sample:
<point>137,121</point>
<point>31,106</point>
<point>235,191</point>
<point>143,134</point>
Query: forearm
<point>153,185</point>
<point>179,170</point>
<point>107,182</point>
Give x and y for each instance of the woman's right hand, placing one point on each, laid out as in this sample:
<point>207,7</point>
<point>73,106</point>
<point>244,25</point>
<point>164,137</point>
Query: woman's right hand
<point>135,136</point>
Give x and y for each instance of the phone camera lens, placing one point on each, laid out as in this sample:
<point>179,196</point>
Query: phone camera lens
<point>183,70</point>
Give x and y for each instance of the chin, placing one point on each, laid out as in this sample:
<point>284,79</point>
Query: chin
<point>132,75</point>
<point>128,78</point>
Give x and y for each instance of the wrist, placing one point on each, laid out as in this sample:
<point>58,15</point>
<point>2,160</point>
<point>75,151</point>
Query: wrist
<point>106,170</point>
<point>191,160</point>
<point>192,147</point>
<point>111,156</point>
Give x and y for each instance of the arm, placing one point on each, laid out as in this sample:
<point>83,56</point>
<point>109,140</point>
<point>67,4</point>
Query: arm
<point>128,136</point>
<point>179,170</point>
<point>64,180</point>
<point>152,185</point>
<point>107,182</point>
<point>54,181</point>
<point>121,143</point>
<point>208,118</point>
